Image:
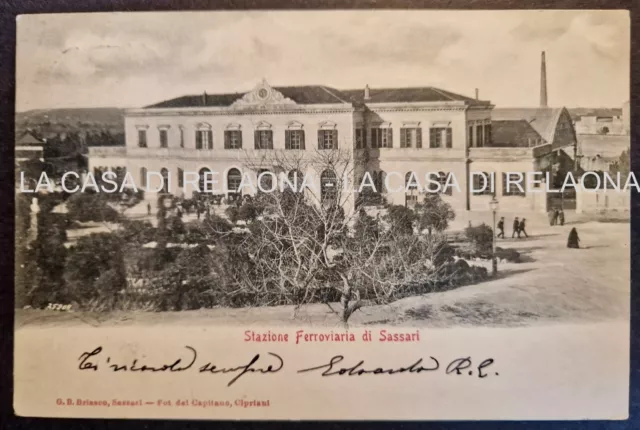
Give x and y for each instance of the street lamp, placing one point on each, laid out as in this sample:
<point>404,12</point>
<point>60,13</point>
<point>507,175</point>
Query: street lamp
<point>493,204</point>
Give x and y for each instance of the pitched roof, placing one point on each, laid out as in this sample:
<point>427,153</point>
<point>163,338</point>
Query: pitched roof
<point>518,133</point>
<point>543,120</point>
<point>411,94</point>
<point>306,95</point>
<point>29,138</point>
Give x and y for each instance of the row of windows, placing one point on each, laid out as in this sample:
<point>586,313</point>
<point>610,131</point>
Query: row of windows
<point>410,137</point>
<point>263,139</point>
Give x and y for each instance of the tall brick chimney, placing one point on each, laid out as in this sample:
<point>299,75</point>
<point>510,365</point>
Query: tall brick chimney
<point>366,92</point>
<point>543,82</point>
<point>477,94</point>
<point>204,98</point>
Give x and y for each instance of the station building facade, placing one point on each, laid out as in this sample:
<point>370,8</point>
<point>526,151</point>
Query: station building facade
<point>392,133</point>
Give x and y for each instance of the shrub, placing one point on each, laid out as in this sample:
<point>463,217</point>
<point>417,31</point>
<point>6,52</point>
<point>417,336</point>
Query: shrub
<point>510,255</point>
<point>401,219</point>
<point>89,260</point>
<point>481,237</point>
<point>90,207</point>
<point>232,213</point>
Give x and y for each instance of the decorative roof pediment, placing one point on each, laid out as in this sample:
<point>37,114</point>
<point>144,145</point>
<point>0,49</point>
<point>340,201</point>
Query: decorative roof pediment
<point>295,125</point>
<point>263,125</point>
<point>261,96</point>
<point>327,125</point>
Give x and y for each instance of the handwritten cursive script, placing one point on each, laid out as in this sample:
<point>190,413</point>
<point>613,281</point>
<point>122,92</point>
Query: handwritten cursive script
<point>92,361</point>
<point>457,367</point>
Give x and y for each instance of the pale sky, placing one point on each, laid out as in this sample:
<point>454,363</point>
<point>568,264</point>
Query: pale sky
<point>136,59</point>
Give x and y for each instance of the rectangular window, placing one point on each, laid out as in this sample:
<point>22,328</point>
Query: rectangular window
<point>263,139</point>
<point>233,139</point>
<point>382,138</point>
<point>360,138</point>
<point>204,139</point>
<point>181,137</point>
<point>411,137</point>
<point>327,139</point>
<point>294,139</point>
<point>180,178</point>
<point>513,185</point>
<point>164,139</point>
<point>470,136</point>
<point>480,135</point>
<point>440,137</point>
<point>142,138</point>
<point>487,135</point>
<point>479,181</point>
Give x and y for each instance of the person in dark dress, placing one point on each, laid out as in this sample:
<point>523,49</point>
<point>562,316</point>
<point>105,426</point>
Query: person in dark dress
<point>521,228</point>
<point>501,227</point>
<point>516,228</point>
<point>561,217</point>
<point>148,208</point>
<point>573,241</point>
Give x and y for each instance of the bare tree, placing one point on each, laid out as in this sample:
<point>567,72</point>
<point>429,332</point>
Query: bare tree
<point>307,247</point>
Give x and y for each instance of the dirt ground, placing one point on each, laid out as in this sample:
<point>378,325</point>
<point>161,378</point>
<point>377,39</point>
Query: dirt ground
<point>551,285</point>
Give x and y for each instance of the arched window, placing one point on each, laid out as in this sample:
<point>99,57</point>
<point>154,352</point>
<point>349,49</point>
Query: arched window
<point>328,186</point>
<point>143,176</point>
<point>204,174</point>
<point>165,180</point>
<point>296,178</point>
<point>234,178</point>
<point>265,180</point>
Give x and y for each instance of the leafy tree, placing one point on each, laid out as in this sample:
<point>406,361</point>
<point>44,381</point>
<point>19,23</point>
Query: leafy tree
<point>401,219</point>
<point>95,267</point>
<point>434,214</point>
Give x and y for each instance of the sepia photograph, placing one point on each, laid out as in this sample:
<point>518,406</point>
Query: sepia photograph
<point>213,204</point>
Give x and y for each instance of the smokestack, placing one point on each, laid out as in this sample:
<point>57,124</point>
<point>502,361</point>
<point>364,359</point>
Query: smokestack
<point>543,82</point>
<point>366,92</point>
<point>204,98</point>
<point>477,94</point>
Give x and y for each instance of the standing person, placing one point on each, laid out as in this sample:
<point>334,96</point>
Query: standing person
<point>561,217</point>
<point>516,228</point>
<point>521,228</point>
<point>198,210</point>
<point>148,208</point>
<point>501,227</point>
<point>550,215</point>
<point>556,213</point>
<point>573,241</point>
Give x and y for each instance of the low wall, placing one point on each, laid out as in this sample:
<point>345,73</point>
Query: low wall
<point>602,200</point>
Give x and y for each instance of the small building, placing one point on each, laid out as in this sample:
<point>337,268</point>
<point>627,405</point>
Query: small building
<point>29,147</point>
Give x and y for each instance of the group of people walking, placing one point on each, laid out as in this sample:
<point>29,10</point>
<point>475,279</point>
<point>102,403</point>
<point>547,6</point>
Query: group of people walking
<point>556,216</point>
<point>519,227</point>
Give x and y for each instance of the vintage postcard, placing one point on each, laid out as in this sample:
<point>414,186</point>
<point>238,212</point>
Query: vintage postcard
<point>323,215</point>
